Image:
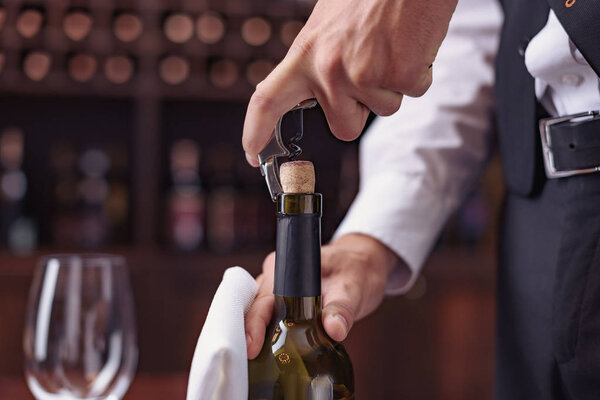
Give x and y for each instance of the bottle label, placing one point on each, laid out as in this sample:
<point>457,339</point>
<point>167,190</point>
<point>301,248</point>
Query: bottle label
<point>298,255</point>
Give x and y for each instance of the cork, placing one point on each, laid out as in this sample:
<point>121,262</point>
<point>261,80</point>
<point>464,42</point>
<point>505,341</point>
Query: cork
<point>297,177</point>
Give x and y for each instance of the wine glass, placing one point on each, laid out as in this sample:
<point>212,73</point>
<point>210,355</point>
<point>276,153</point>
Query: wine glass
<point>80,331</point>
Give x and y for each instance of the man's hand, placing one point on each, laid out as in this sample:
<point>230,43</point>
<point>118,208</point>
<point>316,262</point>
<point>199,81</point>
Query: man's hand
<point>352,56</point>
<point>355,269</point>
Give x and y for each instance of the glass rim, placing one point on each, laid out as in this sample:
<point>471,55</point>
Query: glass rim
<point>116,259</point>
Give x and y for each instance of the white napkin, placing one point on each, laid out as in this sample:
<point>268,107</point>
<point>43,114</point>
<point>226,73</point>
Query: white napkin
<point>220,364</point>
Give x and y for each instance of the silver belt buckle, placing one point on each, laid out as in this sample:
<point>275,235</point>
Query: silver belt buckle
<point>545,125</point>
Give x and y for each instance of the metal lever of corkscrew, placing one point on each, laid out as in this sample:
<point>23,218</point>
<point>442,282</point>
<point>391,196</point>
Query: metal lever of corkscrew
<point>267,158</point>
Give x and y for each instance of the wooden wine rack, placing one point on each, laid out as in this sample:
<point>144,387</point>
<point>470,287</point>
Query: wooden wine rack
<point>146,51</point>
<point>145,91</point>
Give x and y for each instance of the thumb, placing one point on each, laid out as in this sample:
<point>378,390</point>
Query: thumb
<point>341,304</point>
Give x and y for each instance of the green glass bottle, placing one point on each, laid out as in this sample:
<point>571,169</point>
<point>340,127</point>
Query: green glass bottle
<point>298,361</point>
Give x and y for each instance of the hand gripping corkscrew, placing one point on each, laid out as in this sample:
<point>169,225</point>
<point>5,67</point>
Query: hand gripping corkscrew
<point>267,158</point>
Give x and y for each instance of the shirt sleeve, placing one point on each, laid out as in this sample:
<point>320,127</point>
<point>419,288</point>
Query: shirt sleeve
<point>418,165</point>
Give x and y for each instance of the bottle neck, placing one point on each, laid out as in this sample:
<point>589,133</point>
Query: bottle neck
<point>298,308</point>
<point>298,247</point>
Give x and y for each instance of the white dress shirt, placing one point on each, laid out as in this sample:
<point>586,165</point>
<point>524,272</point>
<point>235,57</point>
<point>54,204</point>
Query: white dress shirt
<point>418,165</point>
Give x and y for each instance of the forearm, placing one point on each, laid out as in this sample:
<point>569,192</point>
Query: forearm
<point>418,165</point>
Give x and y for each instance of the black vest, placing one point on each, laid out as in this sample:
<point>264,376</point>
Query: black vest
<point>518,111</point>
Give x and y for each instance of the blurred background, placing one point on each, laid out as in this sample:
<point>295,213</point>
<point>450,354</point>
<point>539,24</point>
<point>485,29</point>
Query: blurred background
<point>120,126</point>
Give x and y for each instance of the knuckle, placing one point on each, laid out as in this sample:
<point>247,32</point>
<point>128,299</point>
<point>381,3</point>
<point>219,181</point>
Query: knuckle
<point>353,131</point>
<point>346,308</point>
<point>421,88</point>
<point>360,258</point>
<point>395,106</point>
<point>390,108</point>
<point>262,101</point>
<point>407,78</point>
<point>376,283</point>
<point>264,301</point>
<point>362,76</point>
<point>328,69</point>
<point>302,45</point>
<point>363,260</point>
<point>344,130</point>
<point>385,111</point>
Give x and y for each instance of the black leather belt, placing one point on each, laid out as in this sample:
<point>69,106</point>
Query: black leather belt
<point>571,144</point>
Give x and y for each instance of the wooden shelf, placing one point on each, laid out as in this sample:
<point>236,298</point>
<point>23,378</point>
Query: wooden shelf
<point>452,265</point>
<point>147,50</point>
<point>140,261</point>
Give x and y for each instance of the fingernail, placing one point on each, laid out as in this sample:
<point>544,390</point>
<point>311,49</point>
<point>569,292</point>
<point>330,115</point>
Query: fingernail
<point>341,322</point>
<point>252,160</point>
<point>248,339</point>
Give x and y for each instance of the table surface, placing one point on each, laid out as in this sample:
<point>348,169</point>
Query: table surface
<point>144,387</point>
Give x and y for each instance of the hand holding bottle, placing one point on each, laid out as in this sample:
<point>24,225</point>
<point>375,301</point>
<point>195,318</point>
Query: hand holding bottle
<point>352,56</point>
<point>355,269</point>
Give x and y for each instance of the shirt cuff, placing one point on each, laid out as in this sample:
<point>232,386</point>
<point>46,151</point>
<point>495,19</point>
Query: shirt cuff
<point>404,214</point>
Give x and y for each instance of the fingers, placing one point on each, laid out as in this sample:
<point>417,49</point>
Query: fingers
<point>346,116</point>
<point>346,107</point>
<point>424,82</point>
<point>286,86</point>
<point>382,102</point>
<point>278,93</point>
<point>410,80</point>
<point>259,315</point>
<point>257,320</point>
<point>252,160</point>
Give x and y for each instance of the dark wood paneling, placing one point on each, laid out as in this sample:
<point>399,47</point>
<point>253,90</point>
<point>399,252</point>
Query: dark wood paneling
<point>438,345</point>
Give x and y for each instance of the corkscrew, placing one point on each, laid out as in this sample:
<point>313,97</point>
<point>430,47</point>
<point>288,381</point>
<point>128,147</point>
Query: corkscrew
<point>276,148</point>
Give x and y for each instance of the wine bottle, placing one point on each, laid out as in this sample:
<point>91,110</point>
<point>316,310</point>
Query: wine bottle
<point>223,73</point>
<point>298,359</point>
<point>94,189</point>
<point>18,229</point>
<point>82,67</point>
<point>119,69</point>
<point>174,69</point>
<point>223,203</point>
<point>210,27</point>
<point>77,24</point>
<point>36,65</point>
<point>2,17</point>
<point>186,200</point>
<point>30,22</point>
<point>178,27</point>
<point>127,27</point>
<point>256,31</point>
